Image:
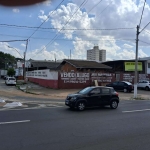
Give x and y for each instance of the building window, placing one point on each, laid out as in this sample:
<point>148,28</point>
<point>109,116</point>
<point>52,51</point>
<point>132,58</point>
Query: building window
<point>148,65</point>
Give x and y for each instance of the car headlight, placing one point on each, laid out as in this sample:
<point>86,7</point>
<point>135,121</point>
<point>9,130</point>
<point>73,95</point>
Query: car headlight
<point>73,98</point>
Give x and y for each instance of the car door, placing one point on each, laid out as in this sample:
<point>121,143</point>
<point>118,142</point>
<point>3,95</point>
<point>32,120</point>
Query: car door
<point>105,96</point>
<point>114,85</point>
<point>139,84</point>
<point>120,86</point>
<point>93,97</point>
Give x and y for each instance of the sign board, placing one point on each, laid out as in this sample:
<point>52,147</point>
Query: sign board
<point>130,66</point>
<point>70,77</point>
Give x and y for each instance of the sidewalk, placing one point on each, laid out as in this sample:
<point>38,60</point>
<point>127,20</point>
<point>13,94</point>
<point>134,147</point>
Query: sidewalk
<point>53,93</point>
<point>62,93</point>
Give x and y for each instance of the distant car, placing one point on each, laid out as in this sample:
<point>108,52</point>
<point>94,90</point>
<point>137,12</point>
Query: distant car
<point>93,96</point>
<point>5,77</point>
<point>144,85</point>
<point>121,86</point>
<point>10,81</point>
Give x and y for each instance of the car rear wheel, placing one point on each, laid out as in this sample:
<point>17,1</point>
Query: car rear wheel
<point>81,106</point>
<point>114,104</point>
<point>147,88</point>
<point>125,90</point>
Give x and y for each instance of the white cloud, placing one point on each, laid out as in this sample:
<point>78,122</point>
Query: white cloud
<point>42,16</point>
<point>42,12</point>
<point>121,14</point>
<point>142,54</point>
<point>23,45</point>
<point>127,46</point>
<point>4,48</point>
<point>16,10</point>
<point>56,44</point>
<point>47,2</point>
<point>37,54</point>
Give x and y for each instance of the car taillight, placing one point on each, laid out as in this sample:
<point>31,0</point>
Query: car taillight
<point>116,94</point>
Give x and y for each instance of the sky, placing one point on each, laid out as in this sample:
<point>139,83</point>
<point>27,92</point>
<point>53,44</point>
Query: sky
<point>65,29</point>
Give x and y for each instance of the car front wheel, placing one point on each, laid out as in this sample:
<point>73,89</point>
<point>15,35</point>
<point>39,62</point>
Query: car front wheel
<point>81,106</point>
<point>125,90</point>
<point>114,104</point>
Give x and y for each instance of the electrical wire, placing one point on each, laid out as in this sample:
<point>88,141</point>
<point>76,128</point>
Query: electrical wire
<point>147,31</point>
<point>45,20</point>
<point>58,39</point>
<point>68,29</point>
<point>63,26</point>
<point>144,42</point>
<point>142,13</point>
<point>13,40</point>
<point>95,6</point>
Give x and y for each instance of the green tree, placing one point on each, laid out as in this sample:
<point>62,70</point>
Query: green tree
<point>11,72</point>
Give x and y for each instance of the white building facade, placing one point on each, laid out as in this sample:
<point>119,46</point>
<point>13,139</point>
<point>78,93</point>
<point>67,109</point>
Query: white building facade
<point>96,54</point>
<point>147,64</point>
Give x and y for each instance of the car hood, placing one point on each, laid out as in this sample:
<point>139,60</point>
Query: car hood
<point>75,95</point>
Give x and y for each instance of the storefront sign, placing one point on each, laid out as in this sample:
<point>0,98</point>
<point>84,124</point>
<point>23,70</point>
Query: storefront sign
<point>69,77</point>
<point>102,77</point>
<point>130,66</point>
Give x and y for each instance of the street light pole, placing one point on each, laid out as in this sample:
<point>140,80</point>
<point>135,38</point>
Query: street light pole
<point>24,71</point>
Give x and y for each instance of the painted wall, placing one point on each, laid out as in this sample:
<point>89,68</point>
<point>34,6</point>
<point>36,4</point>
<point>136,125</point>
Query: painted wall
<point>45,78</point>
<point>148,69</point>
<point>78,80</point>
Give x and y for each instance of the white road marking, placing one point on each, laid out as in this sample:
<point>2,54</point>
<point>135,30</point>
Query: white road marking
<point>15,122</point>
<point>6,109</point>
<point>140,110</point>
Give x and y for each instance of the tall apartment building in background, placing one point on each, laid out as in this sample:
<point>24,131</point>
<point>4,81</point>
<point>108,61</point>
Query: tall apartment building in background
<point>96,54</point>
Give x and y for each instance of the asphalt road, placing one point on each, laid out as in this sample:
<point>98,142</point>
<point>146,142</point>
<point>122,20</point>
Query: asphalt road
<point>126,128</point>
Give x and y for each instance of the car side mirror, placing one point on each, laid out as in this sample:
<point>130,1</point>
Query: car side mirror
<point>91,94</point>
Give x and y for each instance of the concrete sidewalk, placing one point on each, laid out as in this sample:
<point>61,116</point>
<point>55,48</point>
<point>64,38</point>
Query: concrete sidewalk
<point>62,93</point>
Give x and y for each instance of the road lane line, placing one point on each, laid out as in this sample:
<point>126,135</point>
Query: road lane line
<point>15,122</point>
<point>140,110</point>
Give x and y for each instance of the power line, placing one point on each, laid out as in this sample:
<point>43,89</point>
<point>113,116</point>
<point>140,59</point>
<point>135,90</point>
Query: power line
<point>95,6</point>
<point>60,39</point>
<point>142,13</point>
<point>144,42</point>
<point>147,31</point>
<point>45,19</point>
<point>69,29</point>
<point>13,40</point>
<point>64,25</point>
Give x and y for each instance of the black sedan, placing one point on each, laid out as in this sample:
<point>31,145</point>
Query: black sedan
<point>121,86</point>
<point>93,96</point>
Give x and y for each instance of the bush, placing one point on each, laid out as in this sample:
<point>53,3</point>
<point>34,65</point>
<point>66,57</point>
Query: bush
<point>11,72</point>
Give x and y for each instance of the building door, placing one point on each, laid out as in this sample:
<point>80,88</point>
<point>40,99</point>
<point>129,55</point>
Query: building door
<point>117,77</point>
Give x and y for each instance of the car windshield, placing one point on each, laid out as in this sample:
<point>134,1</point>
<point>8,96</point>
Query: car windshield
<point>86,90</point>
<point>12,79</point>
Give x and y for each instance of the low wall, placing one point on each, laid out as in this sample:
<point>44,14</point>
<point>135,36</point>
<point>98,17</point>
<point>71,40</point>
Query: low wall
<point>45,83</point>
<point>78,80</point>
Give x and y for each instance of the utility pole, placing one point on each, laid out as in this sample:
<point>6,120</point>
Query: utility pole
<point>136,63</point>
<point>136,59</point>
<point>24,70</point>
<point>70,53</point>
